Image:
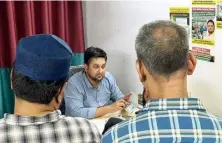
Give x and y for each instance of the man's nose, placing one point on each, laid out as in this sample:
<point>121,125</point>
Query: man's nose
<point>100,70</point>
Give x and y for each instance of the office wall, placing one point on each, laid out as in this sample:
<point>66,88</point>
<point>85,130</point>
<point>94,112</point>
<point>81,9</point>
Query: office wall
<point>113,25</point>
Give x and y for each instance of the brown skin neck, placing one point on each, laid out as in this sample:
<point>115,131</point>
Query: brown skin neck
<point>175,87</point>
<point>161,87</point>
<point>26,108</point>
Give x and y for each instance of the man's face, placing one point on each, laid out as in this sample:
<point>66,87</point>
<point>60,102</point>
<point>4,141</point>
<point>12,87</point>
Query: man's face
<point>96,69</point>
<point>210,27</point>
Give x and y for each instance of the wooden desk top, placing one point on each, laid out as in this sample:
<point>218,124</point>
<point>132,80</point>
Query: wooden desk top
<point>122,113</point>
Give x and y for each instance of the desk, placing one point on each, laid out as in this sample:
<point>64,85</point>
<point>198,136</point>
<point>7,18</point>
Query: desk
<point>101,121</point>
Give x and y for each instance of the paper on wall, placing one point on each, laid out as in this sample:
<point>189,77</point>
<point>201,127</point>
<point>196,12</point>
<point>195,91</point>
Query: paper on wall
<point>181,16</point>
<point>219,14</point>
<point>203,25</point>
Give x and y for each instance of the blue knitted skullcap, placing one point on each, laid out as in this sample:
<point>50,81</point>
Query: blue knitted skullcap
<point>43,57</point>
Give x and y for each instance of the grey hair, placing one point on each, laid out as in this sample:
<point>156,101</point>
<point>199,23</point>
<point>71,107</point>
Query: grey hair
<point>163,47</point>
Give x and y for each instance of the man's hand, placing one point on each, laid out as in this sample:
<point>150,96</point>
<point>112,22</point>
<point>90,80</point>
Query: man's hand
<point>118,105</point>
<point>127,98</point>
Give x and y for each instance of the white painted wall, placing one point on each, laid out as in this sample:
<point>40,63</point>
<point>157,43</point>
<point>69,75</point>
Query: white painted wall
<point>113,26</point>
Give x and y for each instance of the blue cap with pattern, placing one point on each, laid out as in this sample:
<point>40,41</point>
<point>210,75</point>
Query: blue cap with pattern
<point>43,57</point>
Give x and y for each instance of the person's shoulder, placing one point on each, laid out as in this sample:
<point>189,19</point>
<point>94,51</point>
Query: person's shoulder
<point>81,125</point>
<point>109,79</point>
<point>120,130</point>
<point>109,76</point>
<point>217,119</point>
<point>220,121</point>
<point>211,119</point>
<point>76,78</point>
<point>81,122</point>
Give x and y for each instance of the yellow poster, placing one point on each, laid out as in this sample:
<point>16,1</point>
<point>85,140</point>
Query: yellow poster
<point>219,1</point>
<point>219,14</point>
<point>181,16</point>
<point>203,27</point>
<point>179,10</point>
<point>203,2</point>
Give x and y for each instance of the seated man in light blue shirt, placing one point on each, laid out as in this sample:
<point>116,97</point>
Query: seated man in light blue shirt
<point>93,92</point>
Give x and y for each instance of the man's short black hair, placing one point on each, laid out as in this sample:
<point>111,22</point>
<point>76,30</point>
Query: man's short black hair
<point>210,21</point>
<point>94,52</point>
<point>35,91</point>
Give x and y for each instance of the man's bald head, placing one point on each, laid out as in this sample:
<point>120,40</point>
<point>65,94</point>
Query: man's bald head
<point>163,47</point>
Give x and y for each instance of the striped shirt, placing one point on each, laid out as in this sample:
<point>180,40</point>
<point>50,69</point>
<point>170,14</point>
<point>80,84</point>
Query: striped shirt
<point>172,120</point>
<point>51,128</point>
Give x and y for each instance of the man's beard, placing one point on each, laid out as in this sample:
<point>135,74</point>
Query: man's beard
<point>95,79</point>
<point>210,32</point>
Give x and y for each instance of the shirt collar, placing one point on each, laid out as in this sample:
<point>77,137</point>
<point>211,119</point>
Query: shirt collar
<point>174,104</point>
<point>27,120</point>
<point>89,85</point>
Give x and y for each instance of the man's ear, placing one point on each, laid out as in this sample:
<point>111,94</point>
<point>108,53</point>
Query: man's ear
<point>140,70</point>
<point>192,61</point>
<point>60,93</point>
<point>86,67</point>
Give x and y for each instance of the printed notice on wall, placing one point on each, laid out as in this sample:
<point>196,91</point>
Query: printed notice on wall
<point>203,54</point>
<point>203,25</point>
<point>203,2</point>
<point>219,14</point>
<point>181,16</point>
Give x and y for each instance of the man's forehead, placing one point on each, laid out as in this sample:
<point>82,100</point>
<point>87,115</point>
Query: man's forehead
<point>210,23</point>
<point>98,61</point>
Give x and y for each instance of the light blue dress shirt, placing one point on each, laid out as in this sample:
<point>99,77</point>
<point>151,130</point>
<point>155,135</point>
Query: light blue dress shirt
<point>82,98</point>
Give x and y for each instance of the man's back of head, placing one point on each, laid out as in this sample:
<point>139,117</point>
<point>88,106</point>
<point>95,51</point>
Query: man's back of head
<point>162,49</point>
<point>38,80</point>
<point>40,70</point>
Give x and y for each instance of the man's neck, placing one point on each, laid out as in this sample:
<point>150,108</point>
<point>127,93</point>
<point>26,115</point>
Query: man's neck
<point>25,108</point>
<point>171,89</point>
